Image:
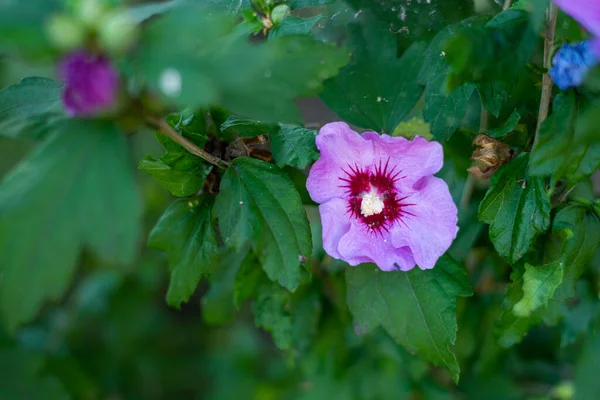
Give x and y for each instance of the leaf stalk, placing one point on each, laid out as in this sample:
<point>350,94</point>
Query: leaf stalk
<point>166,129</point>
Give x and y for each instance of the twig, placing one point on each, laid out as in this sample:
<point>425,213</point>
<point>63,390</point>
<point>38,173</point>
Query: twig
<point>167,130</point>
<point>546,80</point>
<point>506,4</point>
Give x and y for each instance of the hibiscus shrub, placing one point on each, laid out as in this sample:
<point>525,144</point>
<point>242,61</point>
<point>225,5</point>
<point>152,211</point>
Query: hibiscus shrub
<point>440,242</point>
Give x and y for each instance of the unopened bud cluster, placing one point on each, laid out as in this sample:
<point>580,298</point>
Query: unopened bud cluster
<point>92,23</point>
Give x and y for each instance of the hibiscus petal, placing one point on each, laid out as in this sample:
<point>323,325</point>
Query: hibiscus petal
<point>336,224</point>
<point>431,228</point>
<point>360,245</point>
<point>340,148</point>
<point>415,158</point>
<point>586,12</point>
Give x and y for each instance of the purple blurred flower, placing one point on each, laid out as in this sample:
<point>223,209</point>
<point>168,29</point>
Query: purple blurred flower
<point>91,83</point>
<point>379,201</point>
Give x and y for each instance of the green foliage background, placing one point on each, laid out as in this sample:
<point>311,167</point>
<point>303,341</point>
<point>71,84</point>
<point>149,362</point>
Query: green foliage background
<point>126,272</point>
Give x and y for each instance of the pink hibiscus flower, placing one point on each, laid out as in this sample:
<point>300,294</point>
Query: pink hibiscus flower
<point>379,201</point>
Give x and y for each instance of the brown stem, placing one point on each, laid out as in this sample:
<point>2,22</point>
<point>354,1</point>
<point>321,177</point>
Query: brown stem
<point>546,80</point>
<point>506,4</point>
<point>467,192</point>
<point>167,130</point>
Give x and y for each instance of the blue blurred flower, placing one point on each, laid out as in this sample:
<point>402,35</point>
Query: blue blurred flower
<point>571,63</point>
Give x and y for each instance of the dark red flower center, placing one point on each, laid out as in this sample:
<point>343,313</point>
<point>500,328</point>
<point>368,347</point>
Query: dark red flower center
<point>372,195</point>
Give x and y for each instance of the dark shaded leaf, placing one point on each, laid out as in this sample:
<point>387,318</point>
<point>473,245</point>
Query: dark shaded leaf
<point>22,377</point>
<point>218,304</point>
<point>558,152</point>
<point>509,125</point>
<point>185,233</point>
<point>580,229</point>
<point>377,89</point>
<point>587,384</point>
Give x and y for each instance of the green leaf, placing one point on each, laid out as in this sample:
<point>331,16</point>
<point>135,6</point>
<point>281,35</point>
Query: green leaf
<point>417,308</point>
<point>181,173</point>
<point>512,328</point>
<point>301,64</point>
<point>218,304</point>
<point>22,377</point>
<point>539,285</point>
<point>248,281</point>
<point>294,26</point>
<point>141,12</point>
<point>587,384</point>
<point>517,208</point>
<point>414,127</point>
<point>270,314</point>
<point>558,152</point>
<point>258,203</point>
<point>232,7</point>
<point>204,72</point>
<point>292,318</point>
<point>581,317</point>
<point>509,126</point>
<point>587,124</point>
<point>416,19</point>
<point>28,107</point>
<point>294,146</point>
<point>445,112</point>
<point>580,229</point>
<point>23,27</point>
<point>305,308</point>
<point>493,96</point>
<point>308,3</point>
<point>444,109</point>
<point>246,128</point>
<point>75,189</point>
<point>179,183</point>
<point>185,233</point>
<point>493,54</point>
<point>377,89</point>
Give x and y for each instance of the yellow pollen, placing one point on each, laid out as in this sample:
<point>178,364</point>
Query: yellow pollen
<point>371,204</point>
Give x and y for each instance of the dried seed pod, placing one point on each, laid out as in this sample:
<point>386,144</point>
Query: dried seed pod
<point>490,155</point>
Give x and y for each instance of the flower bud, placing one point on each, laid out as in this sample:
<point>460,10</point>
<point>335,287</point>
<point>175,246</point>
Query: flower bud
<point>90,12</point>
<point>117,32</point>
<point>65,32</point>
<point>92,84</point>
<point>280,13</point>
<point>490,156</point>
